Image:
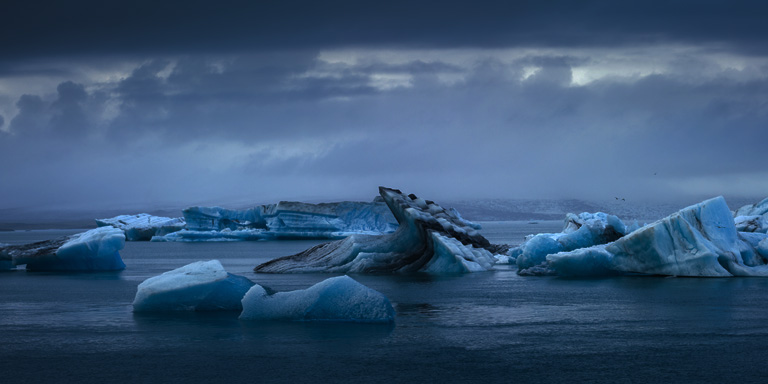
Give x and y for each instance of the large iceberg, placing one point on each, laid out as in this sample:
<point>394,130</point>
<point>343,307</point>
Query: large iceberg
<point>579,231</point>
<point>200,286</point>
<point>285,220</point>
<point>94,250</point>
<point>143,227</point>
<point>335,299</point>
<point>752,217</point>
<point>428,239</point>
<point>700,240</point>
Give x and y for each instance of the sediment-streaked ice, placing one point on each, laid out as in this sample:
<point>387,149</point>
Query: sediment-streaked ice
<point>752,217</point>
<point>93,250</point>
<point>429,239</point>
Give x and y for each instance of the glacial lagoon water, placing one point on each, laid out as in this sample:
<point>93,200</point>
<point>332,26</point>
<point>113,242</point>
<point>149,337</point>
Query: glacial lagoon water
<point>482,327</point>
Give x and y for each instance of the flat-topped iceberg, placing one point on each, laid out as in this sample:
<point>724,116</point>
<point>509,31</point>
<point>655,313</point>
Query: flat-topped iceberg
<point>94,250</point>
<point>579,231</point>
<point>143,227</point>
<point>429,239</point>
<point>285,220</point>
<point>200,286</point>
<point>700,240</point>
<point>335,299</point>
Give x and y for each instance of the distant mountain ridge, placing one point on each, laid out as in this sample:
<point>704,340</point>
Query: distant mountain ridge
<point>543,209</point>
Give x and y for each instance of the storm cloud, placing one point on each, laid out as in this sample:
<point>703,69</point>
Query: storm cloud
<point>256,102</point>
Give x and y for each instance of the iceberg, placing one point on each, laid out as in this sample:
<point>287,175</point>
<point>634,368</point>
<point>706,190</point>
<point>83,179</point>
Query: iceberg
<point>429,239</point>
<point>750,248</point>
<point>579,231</point>
<point>757,209</point>
<point>335,299</point>
<point>94,250</point>
<point>700,240</point>
<point>751,223</point>
<point>200,286</point>
<point>285,220</point>
<point>143,227</point>
<point>752,217</point>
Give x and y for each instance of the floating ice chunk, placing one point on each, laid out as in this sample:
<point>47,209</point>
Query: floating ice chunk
<point>579,231</point>
<point>94,250</point>
<point>285,220</point>
<point>752,217</point>
<point>428,239</point>
<point>700,240</point>
<point>143,227</point>
<point>335,299</point>
<point>502,259</point>
<point>200,286</point>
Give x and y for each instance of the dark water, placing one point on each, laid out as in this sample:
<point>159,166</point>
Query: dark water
<point>482,327</point>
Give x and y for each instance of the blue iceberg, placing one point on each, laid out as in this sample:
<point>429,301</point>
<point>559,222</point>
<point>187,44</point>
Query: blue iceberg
<point>579,231</point>
<point>700,240</point>
<point>143,226</point>
<point>752,217</point>
<point>335,299</point>
<point>429,239</point>
<point>200,286</point>
<point>94,250</point>
<point>285,220</point>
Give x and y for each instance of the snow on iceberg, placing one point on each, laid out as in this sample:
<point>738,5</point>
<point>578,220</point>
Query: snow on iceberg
<point>700,240</point>
<point>94,250</point>
<point>143,227</point>
<point>429,239</point>
<point>752,217</point>
<point>285,220</point>
<point>579,231</point>
<point>335,299</point>
<point>200,286</point>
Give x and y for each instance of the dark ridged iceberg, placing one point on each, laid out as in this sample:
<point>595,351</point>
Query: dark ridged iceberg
<point>429,239</point>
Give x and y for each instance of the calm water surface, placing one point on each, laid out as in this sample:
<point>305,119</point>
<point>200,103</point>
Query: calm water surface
<point>490,327</point>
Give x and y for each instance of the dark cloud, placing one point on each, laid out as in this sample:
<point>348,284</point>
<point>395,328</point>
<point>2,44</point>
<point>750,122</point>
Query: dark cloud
<point>64,117</point>
<point>145,27</point>
<point>269,127</point>
<point>31,118</point>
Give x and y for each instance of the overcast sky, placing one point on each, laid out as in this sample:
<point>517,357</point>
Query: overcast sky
<point>139,104</point>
